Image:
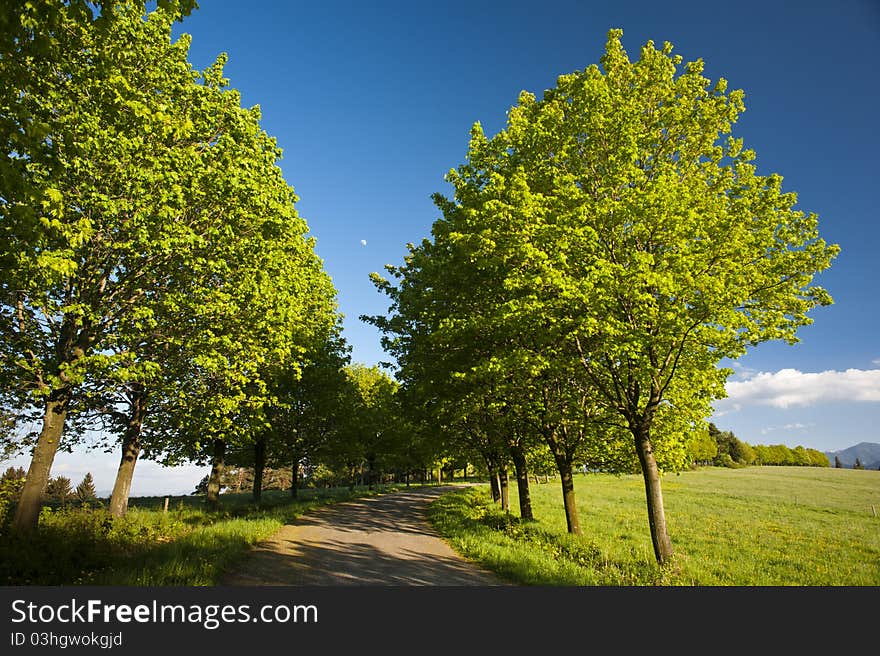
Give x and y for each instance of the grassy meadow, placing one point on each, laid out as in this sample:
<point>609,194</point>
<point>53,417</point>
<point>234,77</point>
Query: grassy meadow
<point>185,546</point>
<point>755,526</point>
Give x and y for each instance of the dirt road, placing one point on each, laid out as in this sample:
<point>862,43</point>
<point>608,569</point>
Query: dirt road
<point>383,540</point>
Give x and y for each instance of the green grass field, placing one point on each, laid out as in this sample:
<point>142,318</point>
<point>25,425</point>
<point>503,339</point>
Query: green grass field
<point>186,546</point>
<point>755,526</point>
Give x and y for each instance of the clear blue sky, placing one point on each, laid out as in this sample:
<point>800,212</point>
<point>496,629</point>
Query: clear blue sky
<point>372,103</point>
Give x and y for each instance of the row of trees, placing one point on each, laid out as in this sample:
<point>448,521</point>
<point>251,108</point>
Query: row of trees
<point>59,488</point>
<point>599,259</point>
<point>723,448</point>
<point>340,424</point>
<point>158,285</point>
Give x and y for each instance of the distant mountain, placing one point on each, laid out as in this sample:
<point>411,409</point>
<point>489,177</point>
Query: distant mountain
<point>867,452</point>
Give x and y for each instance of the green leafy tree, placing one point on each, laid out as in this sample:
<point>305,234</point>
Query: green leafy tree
<point>649,239</point>
<point>703,448</point>
<point>249,300</point>
<point>745,453</point>
<point>224,144</point>
<point>95,207</point>
<point>729,446</point>
<point>370,422</point>
<point>477,351</point>
<point>33,40</point>
<point>801,457</point>
<point>818,459</point>
<point>781,455</point>
<point>858,464</point>
<point>682,254</point>
<point>308,407</point>
<point>837,463</point>
<point>161,198</point>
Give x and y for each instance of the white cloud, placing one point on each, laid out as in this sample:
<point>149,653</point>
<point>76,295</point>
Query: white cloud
<point>875,361</point>
<point>786,427</point>
<point>790,387</point>
<point>741,372</point>
<point>363,242</point>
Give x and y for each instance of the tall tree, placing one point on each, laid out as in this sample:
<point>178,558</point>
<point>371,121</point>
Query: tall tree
<point>668,249</point>
<point>160,197</point>
<point>85,491</point>
<point>308,407</point>
<point>629,235</point>
<point>94,210</point>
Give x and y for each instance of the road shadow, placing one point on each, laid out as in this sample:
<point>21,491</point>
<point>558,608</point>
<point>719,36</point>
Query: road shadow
<point>383,540</point>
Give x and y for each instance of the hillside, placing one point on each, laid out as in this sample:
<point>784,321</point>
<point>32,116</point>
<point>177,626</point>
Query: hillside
<point>867,452</point>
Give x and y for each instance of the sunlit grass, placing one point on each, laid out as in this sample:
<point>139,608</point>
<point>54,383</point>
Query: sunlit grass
<point>751,526</point>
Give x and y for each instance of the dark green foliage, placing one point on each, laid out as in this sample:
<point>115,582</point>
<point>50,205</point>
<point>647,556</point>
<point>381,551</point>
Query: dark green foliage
<point>733,452</point>
<point>59,489</point>
<point>724,460</point>
<point>858,464</point>
<point>241,479</point>
<point>85,491</point>
<point>729,445</point>
<point>10,490</point>
<point>837,463</point>
<point>13,474</point>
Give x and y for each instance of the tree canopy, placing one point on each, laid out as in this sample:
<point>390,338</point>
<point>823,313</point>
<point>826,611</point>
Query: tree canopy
<point>155,241</point>
<point>625,242</point>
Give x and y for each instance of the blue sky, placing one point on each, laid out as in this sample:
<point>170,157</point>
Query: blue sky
<point>372,103</point>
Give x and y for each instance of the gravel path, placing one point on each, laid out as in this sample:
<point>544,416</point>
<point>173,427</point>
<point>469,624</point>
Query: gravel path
<point>383,540</point>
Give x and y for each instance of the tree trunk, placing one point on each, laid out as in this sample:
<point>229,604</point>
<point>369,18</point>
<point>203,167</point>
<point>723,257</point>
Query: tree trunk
<point>654,495</point>
<point>131,449</point>
<point>294,478</point>
<point>495,485</point>
<point>504,484</point>
<point>259,467</point>
<point>522,481</point>
<point>563,466</point>
<point>27,513</point>
<point>568,500</point>
<point>212,499</point>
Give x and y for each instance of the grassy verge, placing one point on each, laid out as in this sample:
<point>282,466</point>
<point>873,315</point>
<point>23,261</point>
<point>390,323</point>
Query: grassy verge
<point>188,545</point>
<point>753,526</point>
